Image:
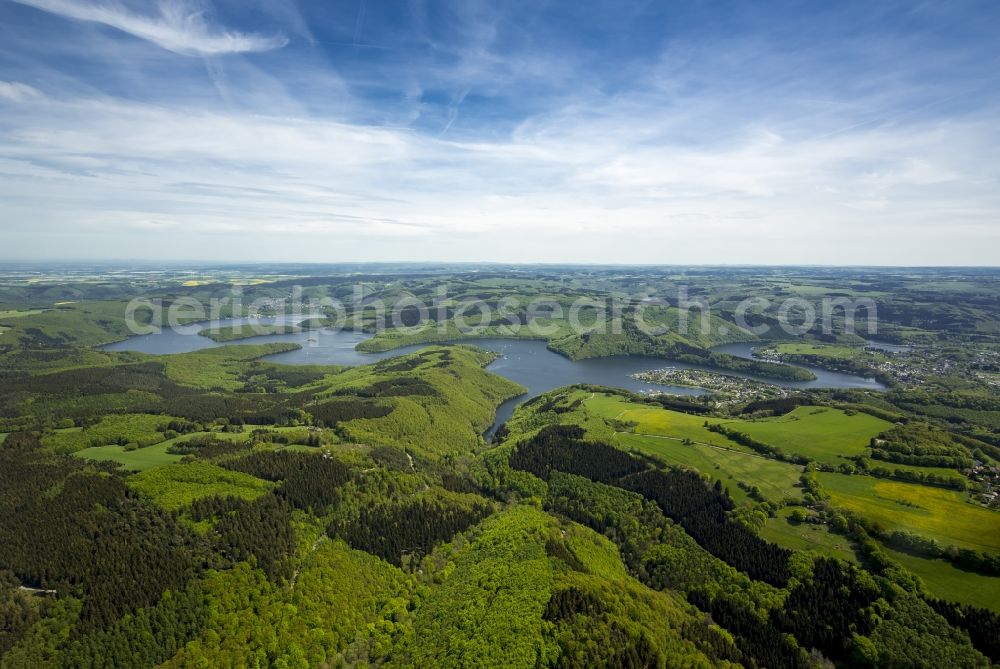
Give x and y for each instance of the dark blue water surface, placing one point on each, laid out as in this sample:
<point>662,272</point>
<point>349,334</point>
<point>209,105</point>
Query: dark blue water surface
<point>824,379</point>
<point>525,361</point>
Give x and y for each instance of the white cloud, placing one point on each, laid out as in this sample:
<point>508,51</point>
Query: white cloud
<point>648,174</point>
<point>180,26</point>
<point>15,91</point>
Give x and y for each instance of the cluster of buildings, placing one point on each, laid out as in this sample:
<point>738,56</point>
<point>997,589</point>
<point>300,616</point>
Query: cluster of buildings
<point>726,389</point>
<point>987,479</point>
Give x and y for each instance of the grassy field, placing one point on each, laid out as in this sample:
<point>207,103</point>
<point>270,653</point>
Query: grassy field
<point>931,512</point>
<point>806,537</point>
<point>947,581</point>
<point>827,351</point>
<point>819,433</point>
<point>658,421</point>
<point>920,469</point>
<point>3,436</point>
<point>14,313</point>
<point>776,480</point>
<point>142,459</point>
<point>137,460</point>
<point>175,486</point>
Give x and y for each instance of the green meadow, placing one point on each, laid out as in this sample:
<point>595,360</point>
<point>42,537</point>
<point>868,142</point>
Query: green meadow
<point>824,350</point>
<point>935,513</point>
<point>945,580</point>
<point>823,434</point>
<point>806,536</point>
<point>658,421</point>
<point>819,433</point>
<point>139,459</point>
<point>148,457</point>
<point>776,480</point>
<point>14,313</point>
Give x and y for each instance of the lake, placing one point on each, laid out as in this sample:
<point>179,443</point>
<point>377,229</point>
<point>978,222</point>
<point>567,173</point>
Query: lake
<point>526,361</point>
<point>824,378</point>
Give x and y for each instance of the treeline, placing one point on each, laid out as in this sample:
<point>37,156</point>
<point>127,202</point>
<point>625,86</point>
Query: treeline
<point>751,443</point>
<point>662,556</point>
<point>89,535</point>
<point>777,406</point>
<point>963,558</point>
<point>411,528</point>
<point>308,481</point>
<point>207,446</point>
<point>17,611</point>
<point>261,377</point>
<point>561,447</point>
<point>954,482</point>
<point>150,637</point>
<point>744,439</point>
<point>922,459</point>
<point>178,427</point>
<point>681,404</point>
<point>332,412</point>
<point>836,611</point>
<point>828,609</point>
<point>982,625</point>
<point>701,511</point>
<point>862,530</point>
<point>404,386</point>
<point>762,644</point>
<point>682,495</point>
<point>92,392</point>
<point>917,443</point>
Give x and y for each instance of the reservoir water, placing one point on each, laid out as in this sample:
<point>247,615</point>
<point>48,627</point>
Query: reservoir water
<point>824,378</point>
<point>525,361</point>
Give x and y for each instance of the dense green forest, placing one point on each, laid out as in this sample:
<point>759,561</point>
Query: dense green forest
<point>218,508</point>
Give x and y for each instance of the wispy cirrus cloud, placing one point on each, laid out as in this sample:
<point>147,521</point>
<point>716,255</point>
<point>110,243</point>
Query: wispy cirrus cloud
<point>15,91</point>
<point>671,141</point>
<point>301,186</point>
<point>179,26</point>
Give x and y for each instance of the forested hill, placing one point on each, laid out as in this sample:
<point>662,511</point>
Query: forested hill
<point>217,509</point>
<point>328,539</point>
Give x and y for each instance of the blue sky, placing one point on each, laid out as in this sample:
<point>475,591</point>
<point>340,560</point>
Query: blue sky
<point>545,131</point>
